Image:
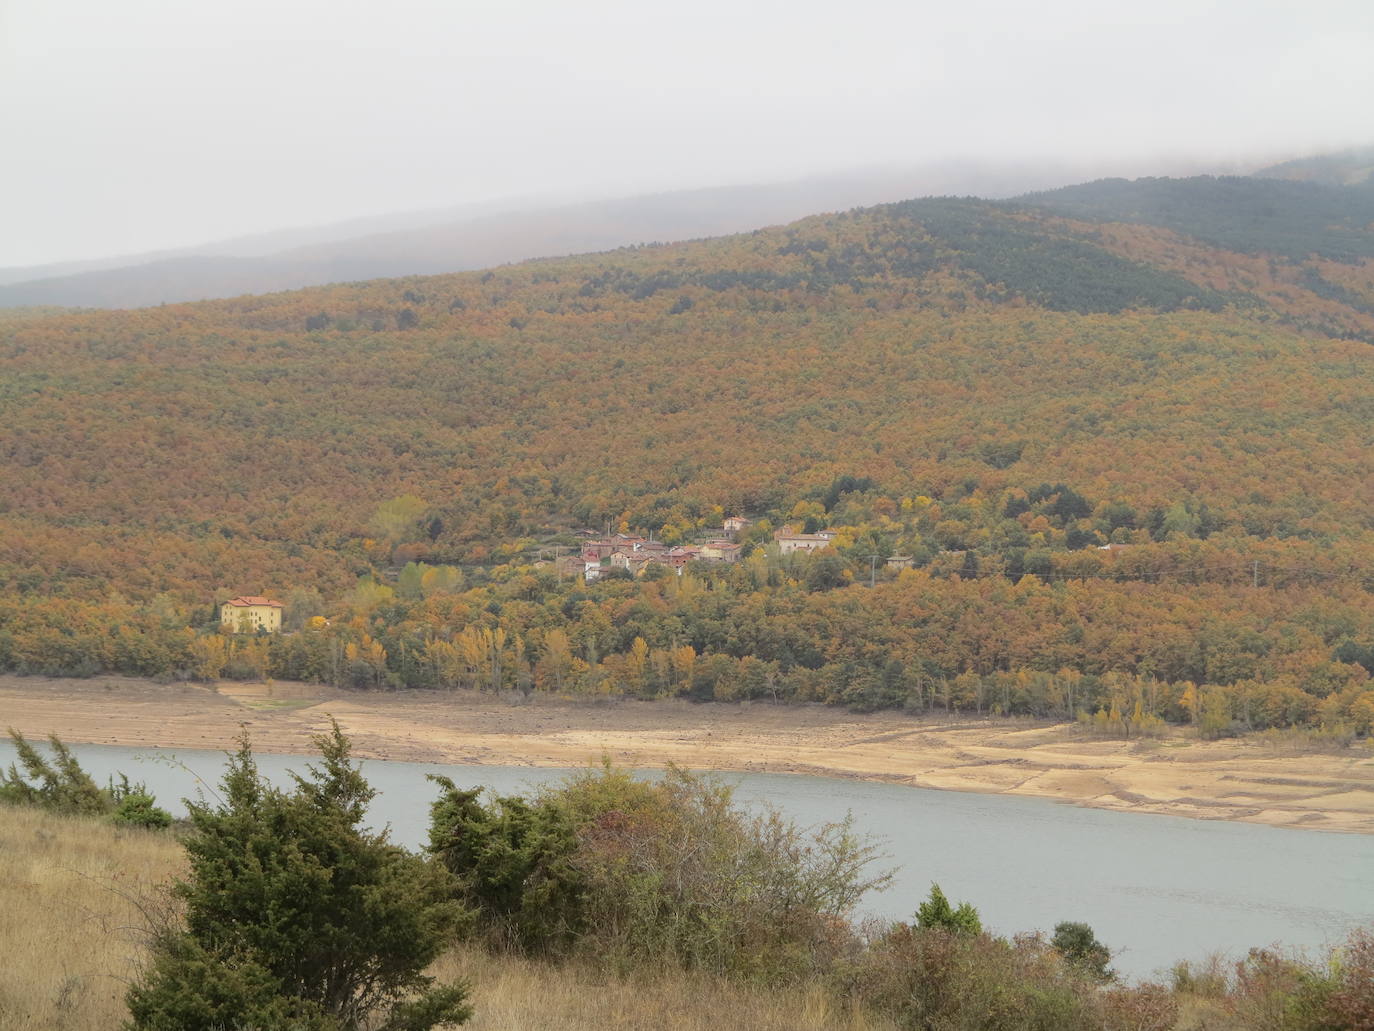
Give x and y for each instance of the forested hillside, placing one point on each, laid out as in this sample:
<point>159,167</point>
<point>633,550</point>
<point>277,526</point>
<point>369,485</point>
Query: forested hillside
<point>1351,167</point>
<point>1303,248</point>
<point>995,390</point>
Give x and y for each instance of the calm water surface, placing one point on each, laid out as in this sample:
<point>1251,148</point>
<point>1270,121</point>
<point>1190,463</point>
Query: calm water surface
<point>1154,888</point>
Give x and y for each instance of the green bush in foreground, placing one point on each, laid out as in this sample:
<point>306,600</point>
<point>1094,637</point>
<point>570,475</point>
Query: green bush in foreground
<point>62,786</point>
<point>137,808</point>
<point>295,917</point>
<point>936,913</point>
<point>1077,944</point>
<point>626,871</point>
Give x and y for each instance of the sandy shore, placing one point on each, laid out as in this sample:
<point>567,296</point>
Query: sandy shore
<point>1232,780</point>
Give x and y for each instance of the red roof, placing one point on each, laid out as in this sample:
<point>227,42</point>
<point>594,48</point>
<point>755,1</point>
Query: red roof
<point>252,599</point>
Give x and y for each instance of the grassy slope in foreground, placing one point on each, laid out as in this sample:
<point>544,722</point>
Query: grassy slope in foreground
<point>70,892</point>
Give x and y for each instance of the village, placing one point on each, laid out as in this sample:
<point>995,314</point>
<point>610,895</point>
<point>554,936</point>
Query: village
<point>597,555</point>
<point>594,557</point>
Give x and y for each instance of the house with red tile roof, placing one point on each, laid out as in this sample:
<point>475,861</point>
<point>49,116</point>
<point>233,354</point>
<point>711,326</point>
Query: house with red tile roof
<point>251,612</point>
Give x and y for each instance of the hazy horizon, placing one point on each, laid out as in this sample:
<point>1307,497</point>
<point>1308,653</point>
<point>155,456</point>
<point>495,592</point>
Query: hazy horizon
<point>951,175</point>
<point>155,125</point>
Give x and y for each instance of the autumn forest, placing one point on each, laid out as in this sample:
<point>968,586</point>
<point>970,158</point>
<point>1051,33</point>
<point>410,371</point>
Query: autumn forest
<point>1180,369</point>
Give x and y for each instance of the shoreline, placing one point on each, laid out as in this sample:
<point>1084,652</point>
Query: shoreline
<point>1246,779</point>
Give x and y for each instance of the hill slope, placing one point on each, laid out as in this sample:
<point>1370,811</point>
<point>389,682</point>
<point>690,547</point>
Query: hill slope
<point>992,389</point>
<point>1302,248</point>
<point>1353,167</point>
<point>1292,220</point>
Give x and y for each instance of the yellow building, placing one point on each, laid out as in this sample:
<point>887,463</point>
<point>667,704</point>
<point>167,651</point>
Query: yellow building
<point>720,551</point>
<point>250,613</point>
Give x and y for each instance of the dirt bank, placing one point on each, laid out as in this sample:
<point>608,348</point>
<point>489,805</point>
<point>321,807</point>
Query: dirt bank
<point>1232,780</point>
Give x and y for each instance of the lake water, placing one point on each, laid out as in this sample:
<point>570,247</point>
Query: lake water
<point>1154,888</point>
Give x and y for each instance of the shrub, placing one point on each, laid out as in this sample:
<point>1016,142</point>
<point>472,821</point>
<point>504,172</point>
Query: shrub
<point>937,914</point>
<point>1207,980</point>
<point>955,981</point>
<point>1351,1002</point>
<point>1080,947</point>
<point>627,872</point>
<point>295,917</point>
<point>139,809</point>
<point>513,863</point>
<point>1274,992</point>
<point>1289,993</point>
<point>1143,1007</point>
<point>64,787</point>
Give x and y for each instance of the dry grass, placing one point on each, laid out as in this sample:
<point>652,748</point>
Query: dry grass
<point>509,992</point>
<point>68,922</point>
<point>69,935</point>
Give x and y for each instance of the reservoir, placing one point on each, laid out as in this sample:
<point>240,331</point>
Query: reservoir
<point>1156,889</point>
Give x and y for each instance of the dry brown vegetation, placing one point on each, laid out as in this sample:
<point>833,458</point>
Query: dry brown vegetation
<point>510,992</point>
<point>70,896</point>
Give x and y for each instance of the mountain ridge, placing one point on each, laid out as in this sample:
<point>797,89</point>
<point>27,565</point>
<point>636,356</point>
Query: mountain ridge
<point>437,241</point>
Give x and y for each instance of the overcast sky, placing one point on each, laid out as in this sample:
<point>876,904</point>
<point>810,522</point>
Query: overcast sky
<point>137,124</point>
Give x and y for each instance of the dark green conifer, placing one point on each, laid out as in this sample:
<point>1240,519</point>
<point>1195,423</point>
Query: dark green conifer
<point>296,917</point>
